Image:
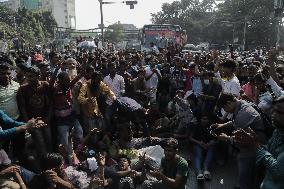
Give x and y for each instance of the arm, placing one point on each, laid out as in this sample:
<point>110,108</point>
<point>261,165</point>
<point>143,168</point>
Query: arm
<point>9,122</point>
<point>8,133</point>
<point>53,77</point>
<point>106,90</point>
<point>278,91</point>
<point>22,104</point>
<point>122,86</point>
<point>219,79</point>
<point>274,165</point>
<point>82,95</point>
<point>20,181</point>
<point>76,79</point>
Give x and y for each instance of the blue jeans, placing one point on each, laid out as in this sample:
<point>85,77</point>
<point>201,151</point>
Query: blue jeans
<point>198,158</point>
<point>247,173</point>
<point>26,175</point>
<point>64,132</point>
<point>109,112</point>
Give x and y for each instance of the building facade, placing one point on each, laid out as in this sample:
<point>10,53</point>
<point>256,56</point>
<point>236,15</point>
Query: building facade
<point>62,10</point>
<point>12,4</point>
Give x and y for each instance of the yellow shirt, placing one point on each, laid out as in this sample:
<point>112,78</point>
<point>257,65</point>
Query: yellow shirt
<point>89,102</point>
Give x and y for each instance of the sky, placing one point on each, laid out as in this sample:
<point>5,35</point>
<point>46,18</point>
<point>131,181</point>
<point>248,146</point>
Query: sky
<point>88,12</point>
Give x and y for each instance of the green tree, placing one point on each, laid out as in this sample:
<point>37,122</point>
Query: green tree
<point>205,20</point>
<point>35,26</point>
<point>114,32</point>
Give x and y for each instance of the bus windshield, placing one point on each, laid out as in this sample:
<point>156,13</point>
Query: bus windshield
<point>153,33</point>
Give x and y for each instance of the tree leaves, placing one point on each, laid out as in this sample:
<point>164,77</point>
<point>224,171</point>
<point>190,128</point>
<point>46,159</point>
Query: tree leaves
<point>35,26</point>
<point>204,20</point>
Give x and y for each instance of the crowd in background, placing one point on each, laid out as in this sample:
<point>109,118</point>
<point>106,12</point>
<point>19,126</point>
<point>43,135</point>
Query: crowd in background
<point>126,119</point>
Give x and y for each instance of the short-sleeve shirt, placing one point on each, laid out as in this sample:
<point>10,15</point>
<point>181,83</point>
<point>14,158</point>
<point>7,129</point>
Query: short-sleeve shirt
<point>173,168</point>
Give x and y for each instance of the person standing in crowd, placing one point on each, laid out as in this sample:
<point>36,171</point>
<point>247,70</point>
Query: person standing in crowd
<point>244,116</point>
<point>163,43</point>
<point>65,116</point>
<point>230,84</point>
<point>116,84</point>
<point>9,105</point>
<point>196,80</point>
<point>90,98</point>
<point>34,101</point>
<point>152,77</point>
<point>178,76</point>
<point>211,91</point>
<point>272,154</point>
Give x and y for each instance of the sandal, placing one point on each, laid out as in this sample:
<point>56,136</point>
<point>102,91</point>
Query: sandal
<point>207,175</point>
<point>200,177</point>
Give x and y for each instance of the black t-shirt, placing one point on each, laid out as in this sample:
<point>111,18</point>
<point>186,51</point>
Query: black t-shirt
<point>202,134</point>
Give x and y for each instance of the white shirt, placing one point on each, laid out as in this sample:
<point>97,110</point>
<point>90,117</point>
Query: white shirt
<point>231,86</point>
<point>153,82</point>
<point>8,100</point>
<point>116,85</point>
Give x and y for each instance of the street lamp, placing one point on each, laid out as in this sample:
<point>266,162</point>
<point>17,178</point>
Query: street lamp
<point>101,26</point>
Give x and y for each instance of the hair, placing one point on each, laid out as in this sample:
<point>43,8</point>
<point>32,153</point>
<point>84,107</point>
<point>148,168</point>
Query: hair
<point>90,68</point>
<point>95,86</point>
<point>52,160</point>
<point>171,143</point>
<point>23,67</point>
<point>230,63</point>
<point>224,99</point>
<point>208,73</point>
<point>62,75</point>
<point>4,66</point>
<point>125,157</point>
<point>34,70</point>
<point>111,65</point>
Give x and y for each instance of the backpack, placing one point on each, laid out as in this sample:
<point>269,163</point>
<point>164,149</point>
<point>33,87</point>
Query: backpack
<point>267,122</point>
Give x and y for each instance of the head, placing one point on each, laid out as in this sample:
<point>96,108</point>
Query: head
<point>152,63</point>
<point>70,63</point>
<point>44,69</point>
<point>33,75</point>
<point>89,72</point>
<point>229,68</point>
<point>170,148</point>
<point>5,74</point>
<point>112,69</point>
<point>64,80</point>
<point>228,102</point>
<point>123,163</point>
<point>53,161</point>
<point>96,79</point>
<point>208,77</point>
<point>178,63</point>
<point>259,82</point>
<point>278,114</point>
<point>180,93</point>
<point>21,70</point>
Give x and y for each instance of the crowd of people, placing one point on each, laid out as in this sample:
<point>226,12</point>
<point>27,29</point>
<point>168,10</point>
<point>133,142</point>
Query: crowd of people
<point>123,119</point>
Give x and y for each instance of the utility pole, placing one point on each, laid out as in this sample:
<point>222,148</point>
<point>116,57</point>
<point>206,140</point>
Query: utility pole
<point>245,34</point>
<point>278,7</point>
<point>102,21</point>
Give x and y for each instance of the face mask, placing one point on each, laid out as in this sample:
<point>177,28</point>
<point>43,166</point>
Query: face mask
<point>206,82</point>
